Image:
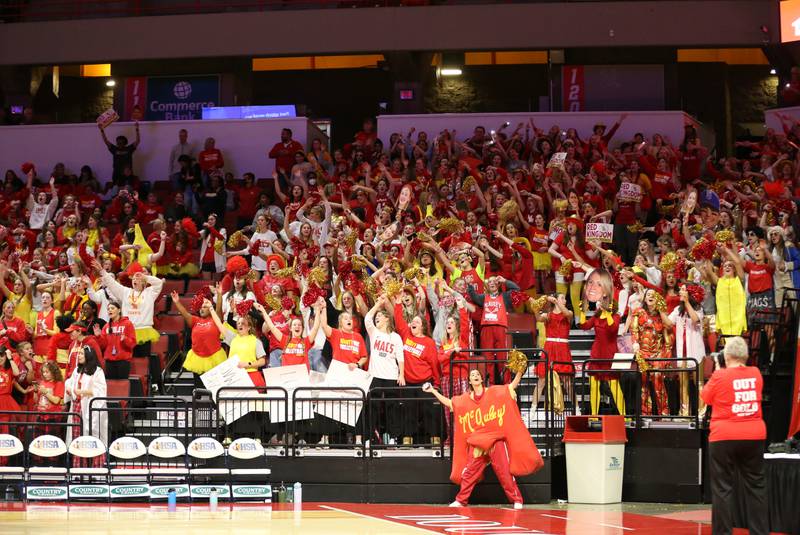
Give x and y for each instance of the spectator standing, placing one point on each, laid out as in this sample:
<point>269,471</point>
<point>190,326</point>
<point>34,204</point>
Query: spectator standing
<point>210,158</point>
<point>736,442</point>
<point>122,154</point>
<point>283,153</point>
<point>182,148</point>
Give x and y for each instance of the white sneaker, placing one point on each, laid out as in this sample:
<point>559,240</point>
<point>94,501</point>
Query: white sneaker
<point>456,504</point>
<point>518,505</point>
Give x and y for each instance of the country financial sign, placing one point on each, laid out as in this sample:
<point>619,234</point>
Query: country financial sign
<point>170,98</point>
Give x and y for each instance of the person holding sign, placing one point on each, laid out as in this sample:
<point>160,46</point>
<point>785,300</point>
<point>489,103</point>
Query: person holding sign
<point>503,441</point>
<point>571,245</point>
<point>736,442</point>
<point>121,152</point>
<point>243,342</point>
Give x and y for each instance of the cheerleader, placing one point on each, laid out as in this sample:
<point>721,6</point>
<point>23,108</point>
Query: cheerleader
<point>206,351</point>
<point>557,322</point>
<point>650,329</point>
<point>294,346</point>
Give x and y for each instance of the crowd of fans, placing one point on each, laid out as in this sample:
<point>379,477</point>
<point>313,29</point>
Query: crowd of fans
<point>399,258</point>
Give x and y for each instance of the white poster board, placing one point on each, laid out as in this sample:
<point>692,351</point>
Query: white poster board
<point>229,373</point>
<point>602,232</point>
<point>290,378</point>
<point>622,361</point>
<point>630,192</point>
<point>341,376</point>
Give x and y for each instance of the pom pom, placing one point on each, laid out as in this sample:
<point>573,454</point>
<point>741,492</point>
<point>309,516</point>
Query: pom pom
<point>508,210</point>
<point>218,244</point>
<point>254,248</point>
<point>252,275</point>
<point>566,270</point>
<point>287,303</point>
<point>518,299</point>
<point>272,302</point>
<point>237,266</point>
<point>345,268</point>
<point>704,249</point>
<point>27,167</point>
<point>660,304</point>
<point>392,288</point>
<point>538,304</point>
<point>451,225</point>
<point>351,239</point>
<point>313,293</point>
<point>747,184</point>
<point>636,227</point>
<point>468,184</point>
<point>560,204</point>
<point>359,263</point>
<point>285,273</point>
<point>617,281</point>
<point>696,292</point>
<point>317,276</point>
<point>517,361</point>
<point>189,226</point>
<point>413,273</point>
<point>668,262</point>
<point>681,269</point>
<point>424,237</point>
<point>237,240</point>
<point>243,307</point>
<point>370,286</point>
<point>724,236</point>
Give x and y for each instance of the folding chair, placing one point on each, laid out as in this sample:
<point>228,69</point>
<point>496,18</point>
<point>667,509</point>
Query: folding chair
<point>128,472</point>
<point>166,459</point>
<point>250,477</point>
<point>88,483</point>
<point>12,465</point>
<point>208,470</point>
<point>48,482</point>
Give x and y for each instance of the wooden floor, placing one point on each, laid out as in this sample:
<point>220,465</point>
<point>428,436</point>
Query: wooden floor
<point>330,519</point>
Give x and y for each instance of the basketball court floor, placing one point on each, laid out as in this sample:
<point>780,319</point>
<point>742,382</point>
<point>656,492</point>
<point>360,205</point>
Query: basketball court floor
<point>352,519</point>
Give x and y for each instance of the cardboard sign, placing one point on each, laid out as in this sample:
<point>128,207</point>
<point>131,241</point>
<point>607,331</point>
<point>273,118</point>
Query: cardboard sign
<point>602,232</point>
<point>107,118</point>
<point>630,192</point>
<point>557,161</point>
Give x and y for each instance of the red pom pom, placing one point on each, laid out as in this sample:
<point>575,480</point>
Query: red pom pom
<point>696,292</point>
<point>254,247</point>
<point>681,269</point>
<point>518,298</point>
<point>287,303</point>
<point>189,226</point>
<point>243,308</point>
<point>27,167</point>
<point>313,293</point>
<point>704,249</point>
<point>345,268</point>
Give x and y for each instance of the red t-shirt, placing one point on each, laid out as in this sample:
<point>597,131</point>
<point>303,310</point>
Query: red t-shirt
<point>210,159</point>
<point>295,351</point>
<point>347,347</point>
<point>759,277</point>
<point>57,389</point>
<point>248,200</point>
<point>735,395</point>
<point>205,336</point>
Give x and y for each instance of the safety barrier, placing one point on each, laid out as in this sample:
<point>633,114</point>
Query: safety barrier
<point>149,415</point>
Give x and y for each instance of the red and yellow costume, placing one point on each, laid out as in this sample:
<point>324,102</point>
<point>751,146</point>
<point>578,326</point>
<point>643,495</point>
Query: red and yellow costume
<point>654,341</point>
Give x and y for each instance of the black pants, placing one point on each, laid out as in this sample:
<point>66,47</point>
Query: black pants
<point>384,412</point>
<point>118,369</point>
<point>421,420</point>
<point>732,461</point>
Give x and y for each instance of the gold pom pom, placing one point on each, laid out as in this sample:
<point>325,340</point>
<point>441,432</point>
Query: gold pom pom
<point>724,236</point>
<point>412,273</point>
<point>451,225</point>
<point>218,244</point>
<point>359,263</point>
<point>252,275</point>
<point>642,363</point>
<point>237,240</point>
<point>517,361</point>
<point>660,304</point>
<point>508,210</point>
<point>468,184</point>
<point>392,288</point>
<point>350,239</point>
<point>285,273</point>
<point>566,268</point>
<point>636,227</point>
<point>668,262</point>
<point>560,204</point>
<point>273,302</point>
<point>538,304</point>
<point>317,276</point>
<point>424,237</point>
<point>370,287</point>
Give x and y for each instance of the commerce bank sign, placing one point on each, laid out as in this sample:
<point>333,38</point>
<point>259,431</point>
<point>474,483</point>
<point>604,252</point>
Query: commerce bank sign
<point>170,98</point>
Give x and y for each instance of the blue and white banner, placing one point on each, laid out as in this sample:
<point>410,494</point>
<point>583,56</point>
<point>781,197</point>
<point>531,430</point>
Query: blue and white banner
<point>180,97</point>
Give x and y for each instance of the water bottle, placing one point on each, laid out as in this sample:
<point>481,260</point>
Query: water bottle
<point>298,496</point>
<point>212,499</point>
<point>172,500</point>
<point>10,494</point>
<point>289,494</point>
<point>281,493</point>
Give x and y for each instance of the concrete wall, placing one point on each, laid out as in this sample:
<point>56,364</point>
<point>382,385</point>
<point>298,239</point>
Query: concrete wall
<point>475,27</point>
<point>244,145</point>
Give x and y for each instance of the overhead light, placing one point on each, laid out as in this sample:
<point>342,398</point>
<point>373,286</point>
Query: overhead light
<point>450,72</point>
<point>110,83</point>
<point>773,71</point>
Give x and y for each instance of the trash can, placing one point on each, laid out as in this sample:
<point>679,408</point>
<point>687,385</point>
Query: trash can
<point>595,448</point>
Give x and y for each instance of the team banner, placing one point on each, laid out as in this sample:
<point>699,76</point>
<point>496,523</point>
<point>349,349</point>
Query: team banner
<point>602,232</point>
<point>171,98</point>
<point>573,88</point>
<point>794,423</point>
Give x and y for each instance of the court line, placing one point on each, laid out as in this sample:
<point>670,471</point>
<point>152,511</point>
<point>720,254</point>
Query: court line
<point>554,516</point>
<point>616,527</point>
<point>395,524</point>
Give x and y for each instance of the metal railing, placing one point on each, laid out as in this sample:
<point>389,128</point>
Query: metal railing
<point>404,412</point>
<point>156,416</point>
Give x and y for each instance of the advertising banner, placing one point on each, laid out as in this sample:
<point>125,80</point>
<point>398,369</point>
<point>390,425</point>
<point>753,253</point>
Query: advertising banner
<point>180,98</point>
